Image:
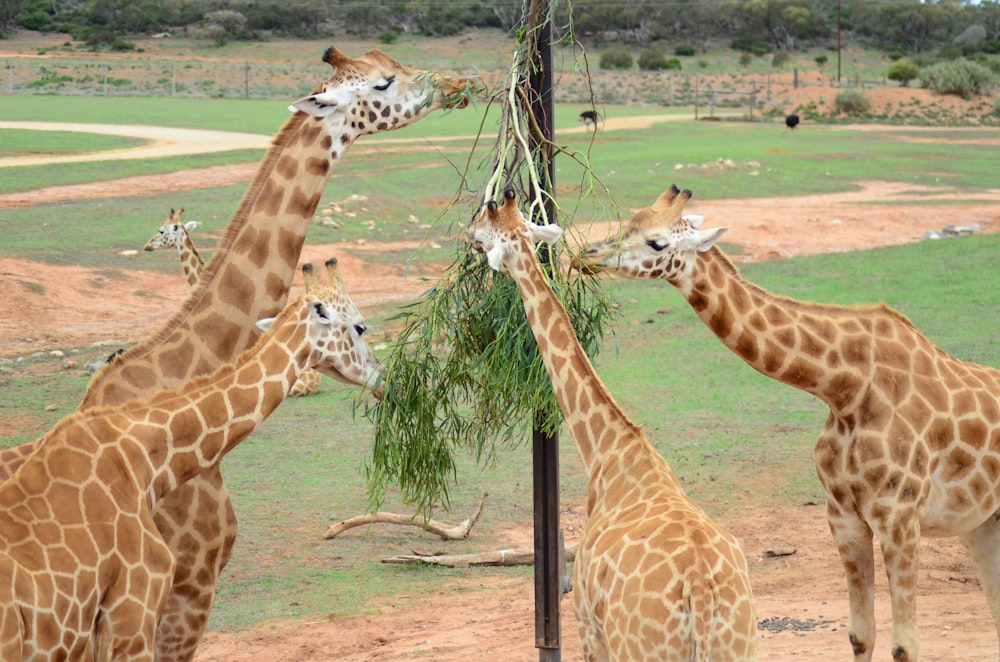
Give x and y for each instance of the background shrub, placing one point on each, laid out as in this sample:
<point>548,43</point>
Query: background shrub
<point>616,58</point>
<point>684,50</point>
<point>902,71</point>
<point>959,77</point>
<point>852,102</point>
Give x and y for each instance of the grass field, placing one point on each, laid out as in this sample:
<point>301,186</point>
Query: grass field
<point>721,425</point>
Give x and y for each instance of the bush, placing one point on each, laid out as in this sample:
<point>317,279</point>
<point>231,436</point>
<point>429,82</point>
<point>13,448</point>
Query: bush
<point>959,77</point>
<point>684,50</point>
<point>902,71</point>
<point>852,102</point>
<point>821,60</point>
<point>780,59</point>
<point>748,44</point>
<point>652,59</point>
<point>616,58</point>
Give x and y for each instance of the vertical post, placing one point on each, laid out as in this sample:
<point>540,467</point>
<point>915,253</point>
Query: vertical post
<point>246,79</point>
<point>545,447</point>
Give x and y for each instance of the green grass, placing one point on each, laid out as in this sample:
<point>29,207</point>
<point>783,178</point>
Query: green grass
<point>20,142</point>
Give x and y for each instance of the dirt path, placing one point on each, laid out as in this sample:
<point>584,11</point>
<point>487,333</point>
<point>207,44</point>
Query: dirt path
<point>802,595</point>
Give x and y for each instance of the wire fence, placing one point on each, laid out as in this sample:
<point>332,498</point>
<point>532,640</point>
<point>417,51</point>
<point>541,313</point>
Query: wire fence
<point>111,77</point>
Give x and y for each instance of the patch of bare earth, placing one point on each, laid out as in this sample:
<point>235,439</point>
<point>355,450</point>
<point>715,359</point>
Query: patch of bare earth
<point>801,598</point>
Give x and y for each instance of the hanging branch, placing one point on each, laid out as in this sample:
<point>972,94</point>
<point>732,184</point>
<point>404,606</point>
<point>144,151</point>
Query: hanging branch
<point>466,375</point>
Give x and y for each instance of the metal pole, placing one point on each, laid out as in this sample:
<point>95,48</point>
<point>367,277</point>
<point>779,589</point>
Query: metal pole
<point>545,448</point>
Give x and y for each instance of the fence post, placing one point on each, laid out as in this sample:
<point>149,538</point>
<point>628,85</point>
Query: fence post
<point>246,79</point>
<point>105,79</point>
<point>10,77</point>
<point>173,79</point>
<point>696,96</point>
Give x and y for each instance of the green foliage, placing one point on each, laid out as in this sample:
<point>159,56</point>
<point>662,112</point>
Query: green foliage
<point>468,376</point>
<point>780,59</point>
<point>684,50</point>
<point>852,102</point>
<point>821,60</point>
<point>653,59</point>
<point>616,57</point>
<point>903,71</point>
<point>751,44</point>
<point>959,77</point>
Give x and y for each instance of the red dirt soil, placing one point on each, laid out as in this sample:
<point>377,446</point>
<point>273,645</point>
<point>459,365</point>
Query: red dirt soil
<point>493,620</point>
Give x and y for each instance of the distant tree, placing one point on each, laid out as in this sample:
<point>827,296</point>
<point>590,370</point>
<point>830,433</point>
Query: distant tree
<point>783,22</point>
<point>654,59</point>
<point>914,25</point>
<point>223,25</point>
<point>9,9</point>
<point>903,71</point>
<point>970,39</point>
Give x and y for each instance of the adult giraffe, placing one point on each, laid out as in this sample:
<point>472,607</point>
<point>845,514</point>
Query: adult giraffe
<point>655,578</point>
<point>84,571</point>
<point>912,443</point>
<point>248,279</point>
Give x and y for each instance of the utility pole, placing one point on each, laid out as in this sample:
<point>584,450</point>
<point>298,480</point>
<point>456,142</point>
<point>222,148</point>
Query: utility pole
<point>545,447</point>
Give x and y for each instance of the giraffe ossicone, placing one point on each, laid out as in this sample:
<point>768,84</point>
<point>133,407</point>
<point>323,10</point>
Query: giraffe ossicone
<point>247,279</point>
<point>911,446</point>
<point>655,578</point>
<point>84,570</point>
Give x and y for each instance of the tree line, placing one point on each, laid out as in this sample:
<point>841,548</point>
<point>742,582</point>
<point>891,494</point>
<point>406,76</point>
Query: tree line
<point>897,26</point>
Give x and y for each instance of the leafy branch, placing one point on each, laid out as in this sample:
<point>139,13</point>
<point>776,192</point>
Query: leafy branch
<point>466,375</point>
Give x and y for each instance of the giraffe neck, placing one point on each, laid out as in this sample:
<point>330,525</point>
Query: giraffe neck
<point>209,416</point>
<point>249,275</point>
<point>191,261</point>
<point>602,430</point>
<point>824,350</point>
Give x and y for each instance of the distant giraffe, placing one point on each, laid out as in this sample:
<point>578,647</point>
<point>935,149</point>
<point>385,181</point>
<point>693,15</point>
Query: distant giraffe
<point>247,279</point>
<point>655,578</point>
<point>912,443</point>
<point>84,570</point>
<point>174,233</point>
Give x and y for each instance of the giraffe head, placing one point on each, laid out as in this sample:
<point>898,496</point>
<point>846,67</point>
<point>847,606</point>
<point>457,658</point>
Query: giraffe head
<point>500,232</point>
<point>172,232</point>
<point>335,332</point>
<point>659,242</point>
<point>376,93</point>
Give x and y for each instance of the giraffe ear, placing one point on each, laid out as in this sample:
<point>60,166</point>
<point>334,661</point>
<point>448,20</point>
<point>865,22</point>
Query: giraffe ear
<point>265,323</point>
<point>548,233</point>
<point>317,105</point>
<point>495,257</point>
<point>694,219</point>
<point>190,225</point>
<point>707,238</point>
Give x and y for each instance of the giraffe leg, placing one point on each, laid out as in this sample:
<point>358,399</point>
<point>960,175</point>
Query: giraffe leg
<point>199,525</point>
<point>900,540</point>
<point>983,544</point>
<point>854,543</point>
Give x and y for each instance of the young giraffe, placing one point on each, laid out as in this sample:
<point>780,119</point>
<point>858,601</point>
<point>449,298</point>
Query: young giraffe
<point>84,570</point>
<point>248,279</point>
<point>912,443</point>
<point>173,233</point>
<point>655,578</point>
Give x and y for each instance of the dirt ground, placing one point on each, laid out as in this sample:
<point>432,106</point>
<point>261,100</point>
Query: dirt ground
<point>801,597</point>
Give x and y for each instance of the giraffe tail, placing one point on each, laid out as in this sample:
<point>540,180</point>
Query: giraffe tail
<point>702,601</point>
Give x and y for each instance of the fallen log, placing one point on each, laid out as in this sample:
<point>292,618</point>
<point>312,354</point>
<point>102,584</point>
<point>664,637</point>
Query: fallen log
<point>445,531</point>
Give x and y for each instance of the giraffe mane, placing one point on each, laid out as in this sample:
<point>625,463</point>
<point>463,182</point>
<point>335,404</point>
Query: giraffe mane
<point>236,224</point>
<point>809,306</point>
<point>291,310</point>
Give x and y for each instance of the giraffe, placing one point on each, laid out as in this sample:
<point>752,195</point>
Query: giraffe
<point>174,233</point>
<point>911,446</point>
<point>247,279</point>
<point>84,569</point>
<point>655,578</point>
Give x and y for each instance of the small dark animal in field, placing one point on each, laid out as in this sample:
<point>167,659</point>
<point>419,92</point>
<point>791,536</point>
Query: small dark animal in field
<point>791,121</point>
<point>590,118</point>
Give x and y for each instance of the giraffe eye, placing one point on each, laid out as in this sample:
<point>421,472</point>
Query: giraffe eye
<point>360,329</point>
<point>657,244</point>
<point>385,86</point>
